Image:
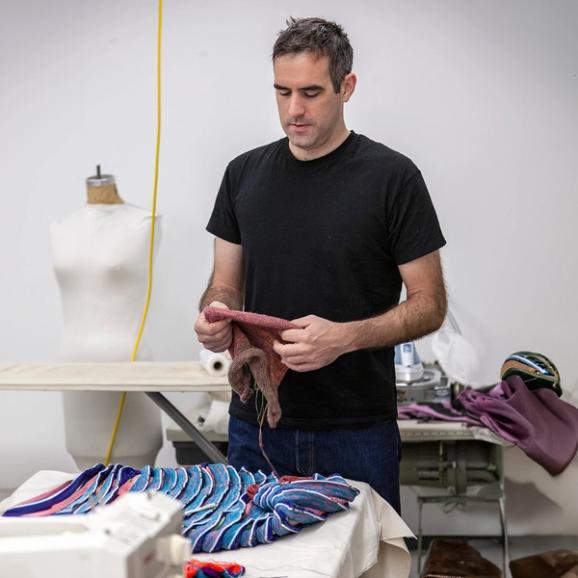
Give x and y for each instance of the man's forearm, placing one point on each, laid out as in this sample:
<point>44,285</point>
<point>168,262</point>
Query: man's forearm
<point>317,342</point>
<point>228,295</point>
<point>414,318</point>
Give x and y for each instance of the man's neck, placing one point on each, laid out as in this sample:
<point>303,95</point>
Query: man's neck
<point>107,195</point>
<point>311,154</point>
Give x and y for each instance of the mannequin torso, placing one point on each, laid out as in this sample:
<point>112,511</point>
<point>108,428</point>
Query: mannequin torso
<point>100,256</point>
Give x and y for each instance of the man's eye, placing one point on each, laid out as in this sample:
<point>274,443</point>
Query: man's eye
<point>284,92</point>
<point>311,93</point>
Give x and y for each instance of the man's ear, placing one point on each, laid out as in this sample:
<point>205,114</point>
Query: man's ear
<point>348,86</point>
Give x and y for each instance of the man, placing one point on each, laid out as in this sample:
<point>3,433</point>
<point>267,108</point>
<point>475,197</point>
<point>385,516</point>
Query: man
<point>322,228</point>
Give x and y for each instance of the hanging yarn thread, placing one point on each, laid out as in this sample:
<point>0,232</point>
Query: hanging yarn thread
<point>256,370</point>
<point>261,409</point>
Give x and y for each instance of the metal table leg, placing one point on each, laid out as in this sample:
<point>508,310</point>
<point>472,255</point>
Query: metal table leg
<point>461,499</point>
<point>505,553</point>
<point>504,523</point>
<point>204,444</point>
<point>419,534</point>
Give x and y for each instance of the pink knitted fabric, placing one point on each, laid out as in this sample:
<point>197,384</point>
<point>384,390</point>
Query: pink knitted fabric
<point>253,336</point>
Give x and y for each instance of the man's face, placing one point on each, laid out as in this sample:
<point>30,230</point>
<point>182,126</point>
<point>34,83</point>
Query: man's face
<point>310,111</point>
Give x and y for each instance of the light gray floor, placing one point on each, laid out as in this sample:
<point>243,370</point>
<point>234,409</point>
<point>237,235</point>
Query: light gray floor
<point>520,547</point>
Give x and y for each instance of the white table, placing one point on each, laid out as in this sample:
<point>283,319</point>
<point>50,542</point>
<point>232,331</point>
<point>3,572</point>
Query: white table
<point>365,541</point>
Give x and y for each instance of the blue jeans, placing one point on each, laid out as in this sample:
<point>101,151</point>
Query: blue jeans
<point>367,454</point>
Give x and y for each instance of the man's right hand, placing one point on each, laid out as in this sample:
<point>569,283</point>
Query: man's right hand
<point>216,336</point>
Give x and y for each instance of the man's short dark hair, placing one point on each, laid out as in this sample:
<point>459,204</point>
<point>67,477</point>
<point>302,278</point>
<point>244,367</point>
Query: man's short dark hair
<point>320,37</point>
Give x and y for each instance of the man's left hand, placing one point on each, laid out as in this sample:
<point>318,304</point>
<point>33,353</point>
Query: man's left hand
<point>317,343</point>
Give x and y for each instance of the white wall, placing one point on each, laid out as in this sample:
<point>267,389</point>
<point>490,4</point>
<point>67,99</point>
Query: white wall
<point>482,95</point>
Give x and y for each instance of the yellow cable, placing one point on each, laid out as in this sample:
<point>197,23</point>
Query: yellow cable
<point>133,356</point>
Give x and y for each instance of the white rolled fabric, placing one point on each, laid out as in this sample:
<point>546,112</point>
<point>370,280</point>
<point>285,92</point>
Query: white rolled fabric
<point>215,364</point>
<point>214,417</point>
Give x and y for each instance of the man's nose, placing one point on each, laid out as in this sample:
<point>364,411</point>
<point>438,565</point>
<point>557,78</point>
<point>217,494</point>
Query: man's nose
<point>296,106</point>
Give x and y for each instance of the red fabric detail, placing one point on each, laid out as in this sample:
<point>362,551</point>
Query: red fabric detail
<point>253,336</point>
<point>252,490</point>
<point>193,565</point>
<point>289,479</point>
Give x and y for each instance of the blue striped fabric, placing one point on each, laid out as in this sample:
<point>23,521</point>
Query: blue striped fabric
<point>223,508</point>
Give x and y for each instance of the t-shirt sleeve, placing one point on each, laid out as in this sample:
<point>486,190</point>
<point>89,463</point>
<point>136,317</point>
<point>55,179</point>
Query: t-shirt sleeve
<point>223,222</point>
<point>414,229</point>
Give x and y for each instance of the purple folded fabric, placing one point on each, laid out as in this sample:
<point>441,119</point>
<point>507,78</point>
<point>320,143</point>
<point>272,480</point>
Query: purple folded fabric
<point>440,411</point>
<point>539,422</point>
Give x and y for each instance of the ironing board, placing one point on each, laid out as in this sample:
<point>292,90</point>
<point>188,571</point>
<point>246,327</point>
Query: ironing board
<point>367,541</point>
<point>150,377</point>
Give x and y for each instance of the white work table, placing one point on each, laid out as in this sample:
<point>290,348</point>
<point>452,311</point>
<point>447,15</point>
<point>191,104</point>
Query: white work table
<point>413,430</point>
<point>365,541</point>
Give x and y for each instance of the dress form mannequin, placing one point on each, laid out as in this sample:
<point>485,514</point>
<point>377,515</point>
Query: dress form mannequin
<point>100,258</point>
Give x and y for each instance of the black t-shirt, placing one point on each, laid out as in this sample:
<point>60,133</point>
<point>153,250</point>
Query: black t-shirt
<point>325,237</point>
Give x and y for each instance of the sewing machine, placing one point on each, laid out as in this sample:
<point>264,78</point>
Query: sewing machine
<point>417,382</point>
<point>135,537</point>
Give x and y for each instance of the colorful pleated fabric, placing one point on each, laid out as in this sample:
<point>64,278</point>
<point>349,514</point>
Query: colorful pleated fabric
<point>223,508</point>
